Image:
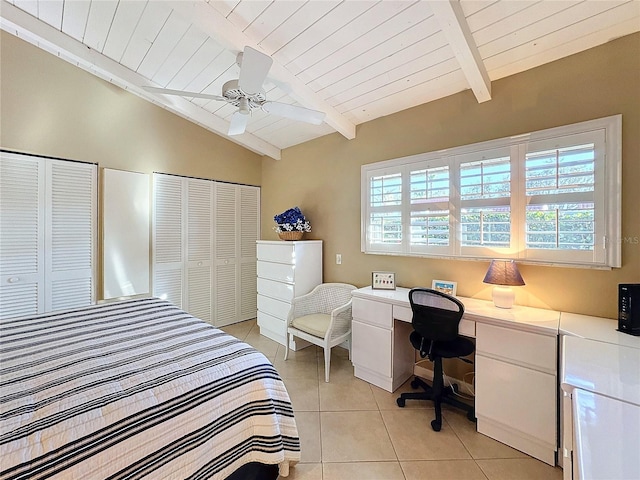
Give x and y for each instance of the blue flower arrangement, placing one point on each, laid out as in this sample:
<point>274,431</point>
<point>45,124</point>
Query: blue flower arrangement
<point>291,220</point>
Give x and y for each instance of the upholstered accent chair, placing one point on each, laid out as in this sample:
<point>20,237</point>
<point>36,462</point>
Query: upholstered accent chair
<point>322,317</point>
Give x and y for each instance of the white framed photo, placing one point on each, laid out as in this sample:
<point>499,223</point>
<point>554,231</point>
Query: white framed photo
<point>445,286</point>
<point>383,280</point>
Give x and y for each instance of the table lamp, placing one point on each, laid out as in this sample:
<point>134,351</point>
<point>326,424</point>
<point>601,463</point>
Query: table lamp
<point>503,274</point>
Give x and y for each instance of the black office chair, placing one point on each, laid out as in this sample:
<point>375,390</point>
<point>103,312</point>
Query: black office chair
<point>436,316</point>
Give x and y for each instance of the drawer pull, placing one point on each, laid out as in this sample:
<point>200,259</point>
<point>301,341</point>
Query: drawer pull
<point>13,280</point>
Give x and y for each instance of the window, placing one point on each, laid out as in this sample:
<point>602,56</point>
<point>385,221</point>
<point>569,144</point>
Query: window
<point>429,193</point>
<point>551,196</point>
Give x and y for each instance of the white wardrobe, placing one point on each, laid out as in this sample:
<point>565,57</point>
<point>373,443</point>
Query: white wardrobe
<point>204,247</point>
<point>48,213</point>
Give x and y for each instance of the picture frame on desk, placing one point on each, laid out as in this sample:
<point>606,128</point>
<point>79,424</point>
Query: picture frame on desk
<point>445,286</point>
<point>383,280</point>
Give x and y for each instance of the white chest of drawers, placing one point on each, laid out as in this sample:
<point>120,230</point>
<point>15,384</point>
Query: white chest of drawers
<point>285,270</point>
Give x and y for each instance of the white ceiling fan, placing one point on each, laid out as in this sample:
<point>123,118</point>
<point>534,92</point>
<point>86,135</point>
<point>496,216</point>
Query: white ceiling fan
<point>247,94</point>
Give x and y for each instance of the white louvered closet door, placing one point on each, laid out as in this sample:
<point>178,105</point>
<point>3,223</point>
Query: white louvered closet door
<point>249,230</point>
<point>21,235</point>
<point>48,212</point>
<point>226,252</point>
<point>205,236</point>
<point>199,224</point>
<point>168,238</point>
<point>70,234</point>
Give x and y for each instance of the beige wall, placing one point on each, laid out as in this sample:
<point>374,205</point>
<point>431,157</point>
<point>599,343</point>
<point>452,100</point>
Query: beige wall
<point>49,107</point>
<point>323,176</point>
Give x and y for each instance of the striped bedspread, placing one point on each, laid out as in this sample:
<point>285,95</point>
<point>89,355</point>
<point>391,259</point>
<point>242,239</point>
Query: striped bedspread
<point>136,389</point>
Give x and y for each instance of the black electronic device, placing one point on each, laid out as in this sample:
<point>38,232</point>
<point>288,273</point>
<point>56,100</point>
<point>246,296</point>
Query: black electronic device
<point>629,308</point>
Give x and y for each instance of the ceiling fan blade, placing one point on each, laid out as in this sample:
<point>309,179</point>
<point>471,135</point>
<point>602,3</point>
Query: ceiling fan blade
<point>167,91</point>
<point>253,70</point>
<point>294,112</point>
<point>238,123</point>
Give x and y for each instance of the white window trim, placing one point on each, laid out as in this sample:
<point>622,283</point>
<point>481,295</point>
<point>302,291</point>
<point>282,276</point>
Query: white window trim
<point>611,256</point>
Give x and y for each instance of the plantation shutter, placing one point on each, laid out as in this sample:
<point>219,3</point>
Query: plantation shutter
<point>485,185</point>
<point>429,204</point>
<point>385,228</point>
<point>563,185</point>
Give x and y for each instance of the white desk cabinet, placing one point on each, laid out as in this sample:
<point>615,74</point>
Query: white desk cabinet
<point>516,358</point>
<point>378,347</point>
<point>285,270</point>
<point>516,378</point>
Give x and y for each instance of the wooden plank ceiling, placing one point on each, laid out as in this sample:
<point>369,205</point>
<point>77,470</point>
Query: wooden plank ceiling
<point>354,60</point>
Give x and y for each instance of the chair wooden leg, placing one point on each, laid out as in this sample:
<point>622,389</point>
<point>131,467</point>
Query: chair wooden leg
<point>327,361</point>
<point>286,345</point>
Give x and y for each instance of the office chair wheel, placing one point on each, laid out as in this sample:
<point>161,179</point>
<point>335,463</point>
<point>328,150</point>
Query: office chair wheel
<point>436,425</point>
<point>400,401</point>
<point>414,383</point>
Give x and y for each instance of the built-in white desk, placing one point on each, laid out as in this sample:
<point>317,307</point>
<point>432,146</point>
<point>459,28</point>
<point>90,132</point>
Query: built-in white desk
<point>515,365</point>
<point>600,385</point>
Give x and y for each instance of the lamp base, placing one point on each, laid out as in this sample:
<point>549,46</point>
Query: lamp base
<point>503,297</point>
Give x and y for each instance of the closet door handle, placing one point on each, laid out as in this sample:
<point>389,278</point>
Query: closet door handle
<point>13,280</point>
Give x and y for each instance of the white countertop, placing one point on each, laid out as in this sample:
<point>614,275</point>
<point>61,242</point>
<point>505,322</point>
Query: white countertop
<point>535,320</point>
<point>600,367</point>
<point>596,328</point>
<point>604,453</point>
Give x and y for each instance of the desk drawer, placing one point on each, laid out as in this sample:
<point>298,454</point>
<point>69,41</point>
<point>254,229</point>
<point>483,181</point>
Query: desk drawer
<point>527,349</point>
<point>402,313</point>
<point>466,327</point>
<point>373,313</point>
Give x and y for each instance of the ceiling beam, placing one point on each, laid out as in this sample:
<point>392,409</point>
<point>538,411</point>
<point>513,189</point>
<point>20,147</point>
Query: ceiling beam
<point>216,25</point>
<point>455,28</point>
<point>29,28</point>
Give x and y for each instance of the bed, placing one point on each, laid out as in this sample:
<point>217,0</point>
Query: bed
<point>138,389</point>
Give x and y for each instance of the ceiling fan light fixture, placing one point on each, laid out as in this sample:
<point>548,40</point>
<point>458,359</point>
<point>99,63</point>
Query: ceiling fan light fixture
<point>246,94</point>
<point>243,106</point>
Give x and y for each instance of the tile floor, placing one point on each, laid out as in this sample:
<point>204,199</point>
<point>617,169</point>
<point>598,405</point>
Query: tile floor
<point>352,430</point>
